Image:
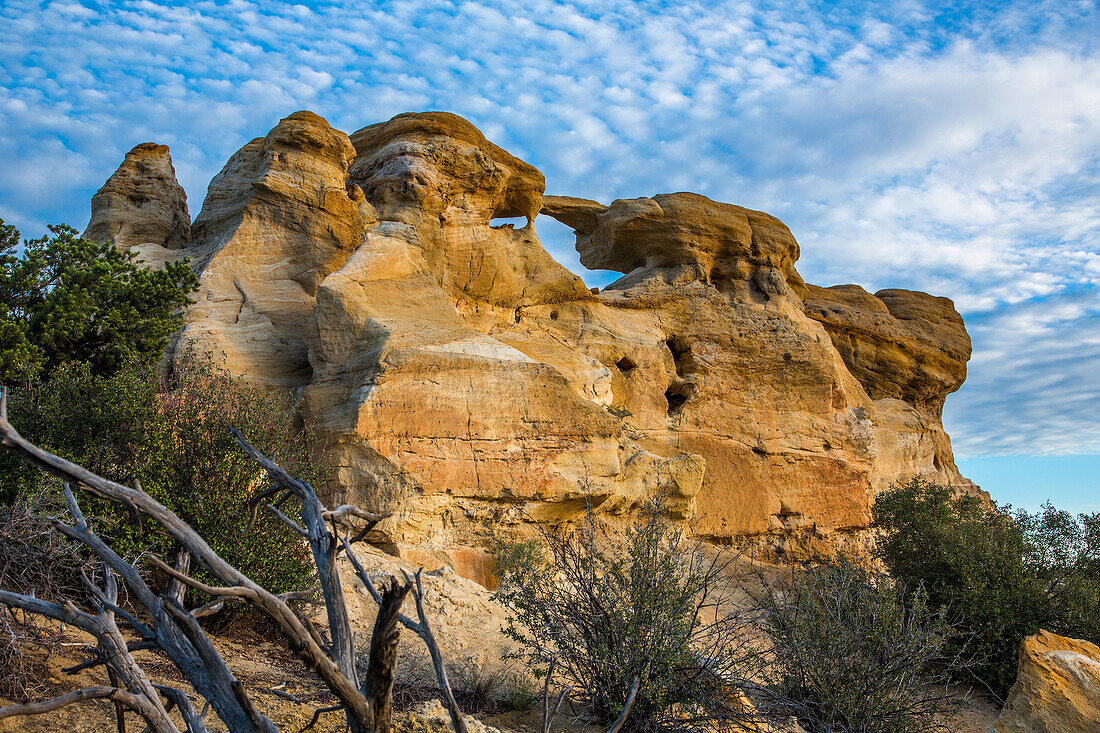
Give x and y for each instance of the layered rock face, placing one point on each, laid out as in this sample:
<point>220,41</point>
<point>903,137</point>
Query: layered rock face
<point>142,206</point>
<point>464,380</point>
<point>276,221</point>
<point>1057,688</point>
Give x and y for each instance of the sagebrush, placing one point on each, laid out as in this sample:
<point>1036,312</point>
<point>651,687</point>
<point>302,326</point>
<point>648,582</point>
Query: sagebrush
<point>854,652</point>
<point>604,608</point>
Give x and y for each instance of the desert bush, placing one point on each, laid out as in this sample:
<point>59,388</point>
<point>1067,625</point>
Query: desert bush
<point>36,560</point>
<point>171,434</point>
<point>479,686</point>
<point>854,653</point>
<point>604,609</point>
<point>491,687</point>
<point>1064,553</point>
<point>1002,575</point>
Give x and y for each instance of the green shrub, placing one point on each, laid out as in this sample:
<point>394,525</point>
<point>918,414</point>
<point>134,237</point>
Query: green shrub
<point>1003,576</point>
<point>65,299</point>
<point>172,435</point>
<point>854,653</point>
<point>1064,553</point>
<point>606,609</point>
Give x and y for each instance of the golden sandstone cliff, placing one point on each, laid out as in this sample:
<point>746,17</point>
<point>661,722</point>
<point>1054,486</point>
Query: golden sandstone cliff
<point>464,380</point>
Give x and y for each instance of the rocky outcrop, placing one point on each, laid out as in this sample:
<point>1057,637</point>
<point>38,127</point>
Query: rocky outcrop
<point>276,221</point>
<point>464,380</point>
<point>684,237</point>
<point>142,206</point>
<point>1057,688</point>
<point>898,343</point>
<point>901,345</point>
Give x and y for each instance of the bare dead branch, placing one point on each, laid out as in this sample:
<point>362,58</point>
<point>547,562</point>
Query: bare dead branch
<point>209,609</point>
<point>286,695</point>
<point>69,698</point>
<point>188,647</point>
<point>378,685</point>
<point>287,520</point>
<point>336,664</point>
<point>236,592</point>
<point>176,589</point>
<point>424,630</point>
<point>255,502</point>
<point>317,715</point>
<point>134,646</point>
<point>177,632</point>
<point>176,698</point>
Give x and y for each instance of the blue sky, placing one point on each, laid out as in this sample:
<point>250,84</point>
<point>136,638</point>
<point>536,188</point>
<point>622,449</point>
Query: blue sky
<point>948,147</point>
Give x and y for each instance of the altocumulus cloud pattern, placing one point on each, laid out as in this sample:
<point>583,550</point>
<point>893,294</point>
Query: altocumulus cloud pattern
<point>951,147</point>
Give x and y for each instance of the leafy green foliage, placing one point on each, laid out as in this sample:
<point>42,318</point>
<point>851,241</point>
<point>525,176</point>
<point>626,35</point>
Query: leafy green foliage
<point>68,299</point>
<point>606,609</point>
<point>172,435</point>
<point>855,653</point>
<point>1003,576</point>
<point>1064,553</point>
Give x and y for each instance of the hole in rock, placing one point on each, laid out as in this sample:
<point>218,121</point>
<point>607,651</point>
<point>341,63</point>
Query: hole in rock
<point>759,451</point>
<point>553,315</point>
<point>625,365</point>
<point>681,352</point>
<point>561,242</point>
<point>676,395</point>
<point>509,222</point>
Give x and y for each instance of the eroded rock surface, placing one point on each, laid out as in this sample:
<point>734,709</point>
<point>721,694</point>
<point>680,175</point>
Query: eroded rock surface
<point>464,380</point>
<point>684,237</point>
<point>899,344</point>
<point>276,221</point>
<point>142,206</point>
<point>1057,688</point>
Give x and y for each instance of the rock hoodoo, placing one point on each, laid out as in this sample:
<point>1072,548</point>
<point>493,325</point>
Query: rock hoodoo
<point>142,206</point>
<point>462,378</point>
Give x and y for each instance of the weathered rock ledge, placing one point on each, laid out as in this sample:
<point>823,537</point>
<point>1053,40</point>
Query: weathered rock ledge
<point>1057,688</point>
<point>464,380</point>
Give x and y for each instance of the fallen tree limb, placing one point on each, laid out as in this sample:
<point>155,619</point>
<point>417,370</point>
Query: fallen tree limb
<point>69,698</point>
<point>177,632</point>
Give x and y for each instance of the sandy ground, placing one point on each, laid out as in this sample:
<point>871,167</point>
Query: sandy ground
<point>467,625</point>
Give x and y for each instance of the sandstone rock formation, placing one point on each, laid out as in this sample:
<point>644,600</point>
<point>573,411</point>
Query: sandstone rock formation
<point>463,379</point>
<point>747,255</point>
<point>142,206</point>
<point>1057,688</point>
<point>276,221</point>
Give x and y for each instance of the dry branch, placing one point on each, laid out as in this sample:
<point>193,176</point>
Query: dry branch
<point>88,693</point>
<point>176,631</point>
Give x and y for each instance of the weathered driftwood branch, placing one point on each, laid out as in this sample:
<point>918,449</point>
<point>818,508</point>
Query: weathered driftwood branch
<point>421,628</point>
<point>88,693</point>
<point>176,631</point>
<point>130,687</point>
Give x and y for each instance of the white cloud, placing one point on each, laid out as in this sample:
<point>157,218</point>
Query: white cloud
<point>908,145</point>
